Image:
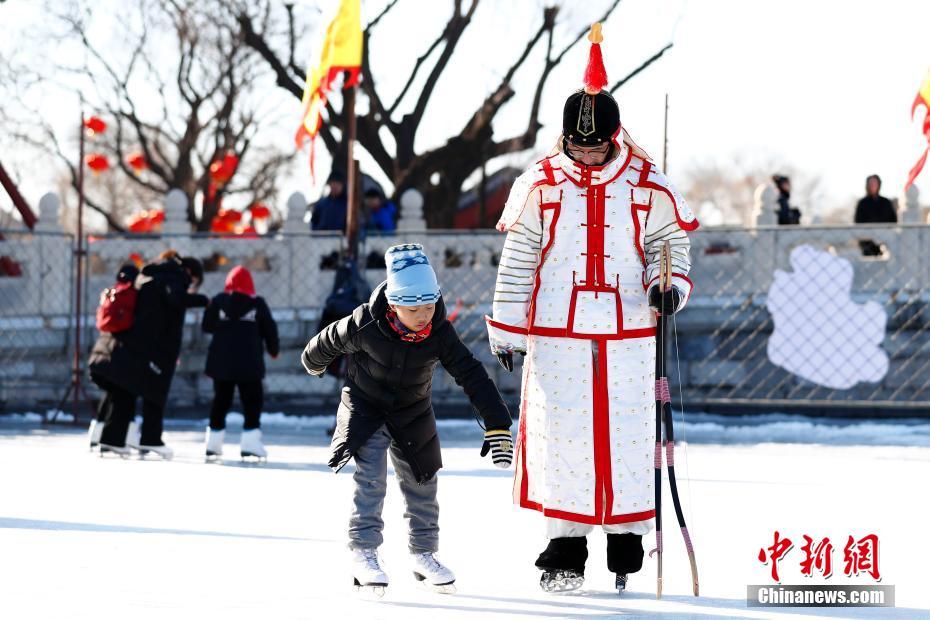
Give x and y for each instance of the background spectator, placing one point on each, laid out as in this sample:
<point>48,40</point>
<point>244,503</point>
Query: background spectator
<point>787,215</point>
<point>329,212</point>
<point>382,213</point>
<point>874,209</point>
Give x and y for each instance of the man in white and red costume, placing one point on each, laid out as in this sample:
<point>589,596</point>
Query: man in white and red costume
<point>576,293</point>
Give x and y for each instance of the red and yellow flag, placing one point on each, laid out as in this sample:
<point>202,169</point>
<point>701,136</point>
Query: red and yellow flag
<point>923,98</point>
<point>341,51</point>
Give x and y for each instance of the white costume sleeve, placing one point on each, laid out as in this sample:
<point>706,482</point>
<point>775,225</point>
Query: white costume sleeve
<point>516,273</point>
<point>669,220</point>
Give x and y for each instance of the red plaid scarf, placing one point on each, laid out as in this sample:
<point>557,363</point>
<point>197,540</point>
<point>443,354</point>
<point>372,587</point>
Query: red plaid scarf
<point>406,334</point>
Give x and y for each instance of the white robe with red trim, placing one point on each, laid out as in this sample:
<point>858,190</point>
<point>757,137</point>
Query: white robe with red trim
<point>582,247</point>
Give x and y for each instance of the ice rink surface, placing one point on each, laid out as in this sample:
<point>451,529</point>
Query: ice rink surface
<point>87,537</point>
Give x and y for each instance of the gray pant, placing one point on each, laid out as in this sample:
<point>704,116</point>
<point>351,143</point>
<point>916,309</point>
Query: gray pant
<point>422,509</point>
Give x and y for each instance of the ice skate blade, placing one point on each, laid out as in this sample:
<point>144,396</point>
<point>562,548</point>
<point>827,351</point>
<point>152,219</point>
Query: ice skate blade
<point>438,588</point>
<point>369,590</point>
<point>248,457</point>
<point>144,452</point>
<point>620,584</point>
<point>560,582</point>
<point>116,451</point>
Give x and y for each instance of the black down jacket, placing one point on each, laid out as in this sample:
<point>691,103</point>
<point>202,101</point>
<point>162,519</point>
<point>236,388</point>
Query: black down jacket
<point>389,382</point>
<point>142,359</point>
<point>242,328</point>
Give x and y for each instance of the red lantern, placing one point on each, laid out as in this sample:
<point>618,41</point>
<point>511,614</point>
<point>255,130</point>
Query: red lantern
<point>248,232</point>
<point>97,162</point>
<point>94,125</point>
<point>139,222</point>
<point>222,170</point>
<point>229,215</point>
<point>137,162</point>
<point>259,211</point>
<point>157,217</point>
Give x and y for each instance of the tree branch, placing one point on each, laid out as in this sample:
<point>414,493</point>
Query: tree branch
<point>378,17</point>
<point>640,68</point>
<point>257,43</point>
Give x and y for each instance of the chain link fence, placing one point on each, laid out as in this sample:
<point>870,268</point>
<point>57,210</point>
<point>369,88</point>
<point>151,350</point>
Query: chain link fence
<point>819,318</point>
<point>36,317</point>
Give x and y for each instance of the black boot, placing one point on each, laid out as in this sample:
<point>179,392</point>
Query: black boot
<point>624,553</point>
<point>562,564</point>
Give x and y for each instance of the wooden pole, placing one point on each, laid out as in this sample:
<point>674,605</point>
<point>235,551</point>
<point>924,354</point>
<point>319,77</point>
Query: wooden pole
<point>665,139</point>
<point>78,280</point>
<point>351,172</point>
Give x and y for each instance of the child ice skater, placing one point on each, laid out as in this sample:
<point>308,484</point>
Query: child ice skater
<point>394,342</point>
<point>242,328</point>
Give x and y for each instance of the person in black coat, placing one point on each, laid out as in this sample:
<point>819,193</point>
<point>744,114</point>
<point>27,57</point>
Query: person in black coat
<point>126,275</point>
<point>242,328</point>
<point>394,343</point>
<point>874,209</point>
<point>140,361</point>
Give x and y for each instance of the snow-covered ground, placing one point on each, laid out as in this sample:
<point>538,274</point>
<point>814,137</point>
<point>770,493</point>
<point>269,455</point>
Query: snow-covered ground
<point>85,537</point>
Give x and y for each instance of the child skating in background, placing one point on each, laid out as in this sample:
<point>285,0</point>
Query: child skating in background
<point>242,328</point>
<point>394,342</point>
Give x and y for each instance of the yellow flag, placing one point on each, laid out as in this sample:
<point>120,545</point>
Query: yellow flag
<point>340,52</point>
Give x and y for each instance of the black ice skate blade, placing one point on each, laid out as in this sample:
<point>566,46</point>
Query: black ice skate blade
<point>370,590</point>
<point>439,588</point>
<point>620,584</point>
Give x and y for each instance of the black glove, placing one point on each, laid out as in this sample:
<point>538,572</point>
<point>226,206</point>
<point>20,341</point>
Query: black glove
<point>506,359</point>
<point>670,300</point>
<point>499,442</point>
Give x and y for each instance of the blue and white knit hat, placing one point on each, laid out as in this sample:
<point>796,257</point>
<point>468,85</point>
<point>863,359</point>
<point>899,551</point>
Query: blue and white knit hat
<point>411,280</point>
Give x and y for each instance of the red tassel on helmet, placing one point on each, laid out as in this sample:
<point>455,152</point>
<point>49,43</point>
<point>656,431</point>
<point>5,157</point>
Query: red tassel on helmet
<point>595,75</point>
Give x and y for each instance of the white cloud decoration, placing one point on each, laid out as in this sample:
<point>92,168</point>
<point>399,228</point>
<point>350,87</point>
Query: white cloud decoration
<point>821,334</point>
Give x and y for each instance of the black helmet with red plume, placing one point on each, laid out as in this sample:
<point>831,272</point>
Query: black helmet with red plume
<point>591,115</point>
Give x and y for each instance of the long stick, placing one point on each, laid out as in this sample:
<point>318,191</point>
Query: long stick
<point>351,194</point>
<point>80,271</point>
<point>665,139</point>
<point>664,405</point>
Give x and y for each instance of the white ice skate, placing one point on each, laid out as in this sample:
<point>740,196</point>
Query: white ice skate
<point>133,435</point>
<point>214,447</point>
<point>163,451</point>
<point>250,445</point>
<point>94,433</point>
<point>367,574</point>
<point>431,573</point>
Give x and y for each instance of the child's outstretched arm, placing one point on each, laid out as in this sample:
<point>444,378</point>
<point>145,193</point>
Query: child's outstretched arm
<point>471,376</point>
<point>268,328</point>
<point>211,317</point>
<point>336,339</point>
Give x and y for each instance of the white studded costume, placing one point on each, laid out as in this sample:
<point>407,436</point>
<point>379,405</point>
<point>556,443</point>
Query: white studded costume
<point>582,249</point>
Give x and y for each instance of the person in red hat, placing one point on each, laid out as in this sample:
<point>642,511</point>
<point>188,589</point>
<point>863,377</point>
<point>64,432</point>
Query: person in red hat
<point>576,294</point>
<point>242,328</point>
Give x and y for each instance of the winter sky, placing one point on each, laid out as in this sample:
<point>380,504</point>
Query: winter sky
<point>824,86</point>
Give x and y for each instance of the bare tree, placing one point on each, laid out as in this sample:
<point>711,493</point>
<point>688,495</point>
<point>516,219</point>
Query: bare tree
<point>439,172</point>
<point>176,84</point>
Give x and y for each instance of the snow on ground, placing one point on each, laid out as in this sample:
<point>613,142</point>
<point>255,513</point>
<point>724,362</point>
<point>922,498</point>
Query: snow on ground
<point>86,537</point>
